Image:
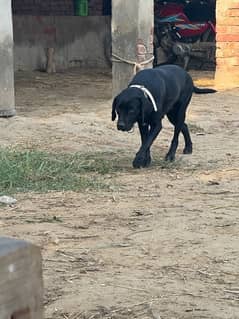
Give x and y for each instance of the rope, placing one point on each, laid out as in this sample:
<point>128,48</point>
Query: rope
<point>137,65</point>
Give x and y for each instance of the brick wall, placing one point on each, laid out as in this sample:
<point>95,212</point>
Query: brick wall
<point>46,7</point>
<point>95,7</point>
<point>227,74</point>
<point>54,7</point>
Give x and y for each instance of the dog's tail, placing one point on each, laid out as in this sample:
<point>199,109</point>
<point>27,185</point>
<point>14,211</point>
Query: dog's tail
<point>203,91</point>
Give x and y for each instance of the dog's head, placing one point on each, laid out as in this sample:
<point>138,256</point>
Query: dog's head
<point>128,105</point>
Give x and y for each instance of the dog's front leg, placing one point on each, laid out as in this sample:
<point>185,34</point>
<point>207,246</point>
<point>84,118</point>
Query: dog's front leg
<point>144,133</point>
<point>142,158</point>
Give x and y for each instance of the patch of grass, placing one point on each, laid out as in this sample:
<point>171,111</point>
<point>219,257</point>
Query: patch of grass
<point>32,170</point>
<point>39,171</point>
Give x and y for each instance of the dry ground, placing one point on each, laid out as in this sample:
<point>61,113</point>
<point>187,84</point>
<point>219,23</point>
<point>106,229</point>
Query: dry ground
<point>160,241</point>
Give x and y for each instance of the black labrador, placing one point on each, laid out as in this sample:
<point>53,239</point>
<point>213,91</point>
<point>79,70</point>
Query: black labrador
<point>153,93</point>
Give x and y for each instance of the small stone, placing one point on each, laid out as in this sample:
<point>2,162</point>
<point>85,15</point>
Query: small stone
<point>7,200</point>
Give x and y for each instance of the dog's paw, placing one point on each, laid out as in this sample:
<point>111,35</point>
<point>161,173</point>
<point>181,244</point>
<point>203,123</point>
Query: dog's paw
<point>188,149</point>
<point>141,161</point>
<point>170,157</point>
<point>147,161</point>
<point>138,162</point>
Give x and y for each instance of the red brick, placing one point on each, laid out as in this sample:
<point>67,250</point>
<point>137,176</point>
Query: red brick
<point>227,21</point>
<point>223,37</point>
<point>227,63</point>
<point>234,6</point>
<point>227,70</point>
<point>43,7</point>
<point>227,49</point>
<point>228,29</point>
<point>228,45</point>
<point>233,12</point>
<point>222,28</point>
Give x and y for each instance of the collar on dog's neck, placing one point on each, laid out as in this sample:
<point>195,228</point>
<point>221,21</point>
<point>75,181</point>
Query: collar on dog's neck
<point>147,94</point>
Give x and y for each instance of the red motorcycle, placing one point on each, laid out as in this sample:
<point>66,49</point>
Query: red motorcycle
<point>184,29</point>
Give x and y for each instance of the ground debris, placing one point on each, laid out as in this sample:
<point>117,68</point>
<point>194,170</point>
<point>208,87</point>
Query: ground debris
<point>8,200</point>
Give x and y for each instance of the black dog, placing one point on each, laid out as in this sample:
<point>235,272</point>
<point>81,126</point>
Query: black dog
<point>153,93</point>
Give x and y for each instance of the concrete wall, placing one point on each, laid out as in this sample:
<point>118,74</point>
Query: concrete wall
<point>6,60</point>
<point>78,41</point>
<point>132,39</point>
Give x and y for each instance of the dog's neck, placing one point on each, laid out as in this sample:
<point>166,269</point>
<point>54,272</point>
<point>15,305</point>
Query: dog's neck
<point>147,94</point>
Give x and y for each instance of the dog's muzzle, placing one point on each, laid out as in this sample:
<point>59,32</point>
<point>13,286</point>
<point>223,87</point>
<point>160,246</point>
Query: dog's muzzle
<point>123,127</point>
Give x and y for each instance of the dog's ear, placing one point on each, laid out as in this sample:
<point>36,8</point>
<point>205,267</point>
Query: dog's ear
<point>113,116</point>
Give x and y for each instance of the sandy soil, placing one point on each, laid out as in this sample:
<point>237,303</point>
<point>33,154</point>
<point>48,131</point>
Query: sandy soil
<point>161,243</point>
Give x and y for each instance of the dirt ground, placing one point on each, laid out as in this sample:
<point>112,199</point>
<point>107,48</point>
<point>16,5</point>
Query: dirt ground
<point>161,243</point>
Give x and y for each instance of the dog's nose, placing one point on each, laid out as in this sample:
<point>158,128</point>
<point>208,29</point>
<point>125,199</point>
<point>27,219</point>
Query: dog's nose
<point>121,126</point>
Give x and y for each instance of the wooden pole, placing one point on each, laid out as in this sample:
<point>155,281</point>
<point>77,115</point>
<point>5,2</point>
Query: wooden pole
<point>50,67</point>
<point>20,280</point>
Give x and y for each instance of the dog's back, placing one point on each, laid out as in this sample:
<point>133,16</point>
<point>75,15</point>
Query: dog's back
<point>170,74</point>
<point>169,81</point>
<point>170,78</point>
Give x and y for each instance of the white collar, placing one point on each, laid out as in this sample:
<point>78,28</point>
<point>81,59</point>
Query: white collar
<point>147,94</point>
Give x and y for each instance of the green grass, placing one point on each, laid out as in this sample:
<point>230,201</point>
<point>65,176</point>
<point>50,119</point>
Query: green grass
<point>39,171</point>
<point>32,170</point>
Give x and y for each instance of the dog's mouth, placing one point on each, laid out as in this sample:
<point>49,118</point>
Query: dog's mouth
<point>131,130</point>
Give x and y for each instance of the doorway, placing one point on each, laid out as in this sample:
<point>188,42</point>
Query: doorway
<point>185,33</point>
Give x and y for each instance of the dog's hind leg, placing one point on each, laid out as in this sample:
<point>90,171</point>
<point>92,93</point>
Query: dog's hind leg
<point>177,118</point>
<point>188,149</point>
<point>170,156</point>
